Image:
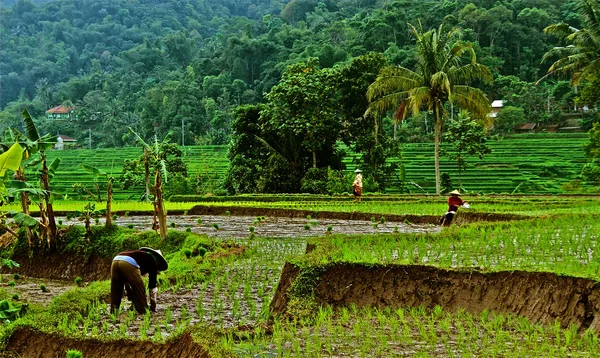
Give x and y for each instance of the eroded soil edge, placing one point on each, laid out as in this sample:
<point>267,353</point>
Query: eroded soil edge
<point>540,297</point>
<point>35,344</point>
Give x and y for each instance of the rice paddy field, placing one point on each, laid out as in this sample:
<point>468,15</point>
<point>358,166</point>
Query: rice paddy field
<point>516,276</point>
<point>519,164</point>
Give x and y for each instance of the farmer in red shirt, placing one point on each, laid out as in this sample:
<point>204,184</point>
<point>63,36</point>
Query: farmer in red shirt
<point>454,201</point>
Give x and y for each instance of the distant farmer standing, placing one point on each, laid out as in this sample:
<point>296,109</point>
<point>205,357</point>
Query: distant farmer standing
<point>454,201</point>
<point>357,186</point>
<point>127,270</point>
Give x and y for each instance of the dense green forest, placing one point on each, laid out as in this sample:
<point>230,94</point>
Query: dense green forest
<point>152,64</point>
<point>185,66</point>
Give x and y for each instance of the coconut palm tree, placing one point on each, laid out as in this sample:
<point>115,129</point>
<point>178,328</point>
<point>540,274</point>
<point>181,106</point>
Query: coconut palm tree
<point>440,76</point>
<point>581,56</point>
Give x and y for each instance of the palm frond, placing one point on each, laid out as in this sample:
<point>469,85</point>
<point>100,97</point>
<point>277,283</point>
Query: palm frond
<point>393,79</point>
<point>469,73</point>
<point>472,99</point>
<point>560,30</point>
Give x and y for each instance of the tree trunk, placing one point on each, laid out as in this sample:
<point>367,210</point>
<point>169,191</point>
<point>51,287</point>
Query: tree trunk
<point>20,175</point>
<point>395,131</point>
<point>159,205</point>
<point>52,230</point>
<point>314,153</point>
<point>437,126</point>
<point>147,169</point>
<point>109,194</point>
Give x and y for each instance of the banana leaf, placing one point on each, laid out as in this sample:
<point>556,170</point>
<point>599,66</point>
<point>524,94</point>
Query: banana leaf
<point>32,132</point>
<point>11,159</point>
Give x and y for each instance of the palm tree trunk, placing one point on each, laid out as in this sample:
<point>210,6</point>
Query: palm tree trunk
<point>160,207</point>
<point>109,195</point>
<point>437,126</point>
<point>314,153</point>
<point>147,173</point>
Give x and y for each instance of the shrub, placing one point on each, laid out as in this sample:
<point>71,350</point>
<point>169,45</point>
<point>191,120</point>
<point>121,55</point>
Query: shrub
<point>73,353</point>
<point>11,283</point>
<point>227,213</point>
<point>216,226</point>
<point>199,221</point>
<point>251,229</point>
<point>16,276</point>
<point>60,222</point>
<point>78,281</point>
<point>130,226</point>
<point>15,297</point>
<point>43,288</point>
<point>202,251</point>
<point>187,229</point>
<point>306,227</point>
<point>173,224</point>
<point>187,253</point>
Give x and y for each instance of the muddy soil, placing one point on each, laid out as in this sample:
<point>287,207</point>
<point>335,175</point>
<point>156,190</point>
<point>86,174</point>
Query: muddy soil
<point>29,289</point>
<point>34,344</point>
<point>465,217</point>
<point>541,297</point>
<point>271,226</point>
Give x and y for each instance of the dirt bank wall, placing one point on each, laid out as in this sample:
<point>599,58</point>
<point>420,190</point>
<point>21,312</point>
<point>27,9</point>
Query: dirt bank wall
<point>34,344</point>
<point>463,217</point>
<point>59,266</point>
<point>541,297</point>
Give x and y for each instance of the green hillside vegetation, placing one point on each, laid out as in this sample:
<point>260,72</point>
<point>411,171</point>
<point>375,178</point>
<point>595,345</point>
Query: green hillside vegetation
<point>540,164</point>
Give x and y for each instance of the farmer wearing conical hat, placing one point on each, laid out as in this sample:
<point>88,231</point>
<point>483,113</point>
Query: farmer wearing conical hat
<point>454,201</point>
<point>357,185</point>
<point>127,269</point>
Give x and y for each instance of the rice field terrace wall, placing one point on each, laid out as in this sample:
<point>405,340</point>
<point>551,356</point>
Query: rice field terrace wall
<point>26,342</point>
<point>541,297</point>
<point>520,164</point>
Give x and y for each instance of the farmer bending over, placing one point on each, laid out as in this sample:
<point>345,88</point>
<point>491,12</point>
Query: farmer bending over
<point>127,269</point>
<point>454,201</point>
<point>357,186</point>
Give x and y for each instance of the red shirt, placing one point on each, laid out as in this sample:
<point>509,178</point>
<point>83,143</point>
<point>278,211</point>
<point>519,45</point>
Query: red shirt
<point>454,202</point>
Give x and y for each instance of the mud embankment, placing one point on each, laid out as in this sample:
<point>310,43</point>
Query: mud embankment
<point>463,217</point>
<point>540,297</point>
<point>35,344</point>
<point>60,266</point>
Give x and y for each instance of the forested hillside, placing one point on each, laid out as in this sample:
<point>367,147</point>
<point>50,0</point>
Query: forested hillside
<point>155,65</point>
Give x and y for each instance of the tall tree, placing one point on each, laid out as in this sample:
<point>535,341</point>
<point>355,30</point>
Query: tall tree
<point>439,77</point>
<point>581,56</point>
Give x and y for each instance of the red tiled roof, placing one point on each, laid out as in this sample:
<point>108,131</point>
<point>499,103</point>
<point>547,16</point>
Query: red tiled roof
<point>66,138</point>
<point>60,110</point>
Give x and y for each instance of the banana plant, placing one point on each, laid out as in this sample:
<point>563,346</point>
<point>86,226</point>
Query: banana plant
<point>34,149</point>
<point>156,158</point>
<point>9,160</point>
<point>89,212</point>
<point>109,192</point>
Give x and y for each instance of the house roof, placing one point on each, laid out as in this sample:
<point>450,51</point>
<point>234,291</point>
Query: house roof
<point>497,103</point>
<point>60,110</point>
<point>66,138</point>
<point>526,126</point>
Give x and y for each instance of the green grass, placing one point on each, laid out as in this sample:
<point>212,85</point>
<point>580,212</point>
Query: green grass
<point>232,292</point>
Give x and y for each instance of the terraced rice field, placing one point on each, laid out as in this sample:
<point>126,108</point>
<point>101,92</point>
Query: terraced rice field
<point>531,164</point>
